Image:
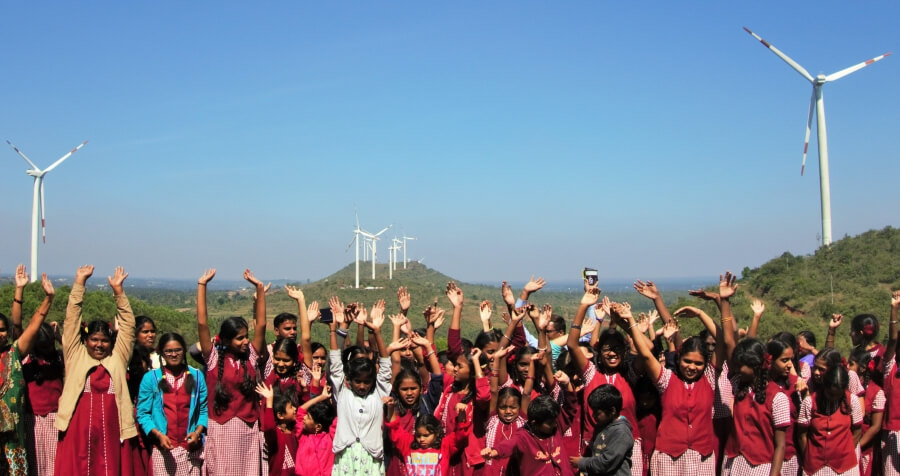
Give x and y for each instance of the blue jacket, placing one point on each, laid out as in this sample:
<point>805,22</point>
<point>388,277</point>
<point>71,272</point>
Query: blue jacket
<point>150,413</point>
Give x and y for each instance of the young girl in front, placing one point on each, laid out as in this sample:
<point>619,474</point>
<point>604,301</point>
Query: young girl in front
<point>783,373</point>
<point>172,411</point>
<point>12,380</point>
<point>95,413</point>
<point>43,369</point>
<point>234,442</point>
<point>762,414</point>
<point>863,363</point>
<point>360,387</point>
<point>283,366</point>
<point>507,409</point>
<point>428,450</point>
<point>891,448</point>
<point>315,428</point>
<point>829,425</point>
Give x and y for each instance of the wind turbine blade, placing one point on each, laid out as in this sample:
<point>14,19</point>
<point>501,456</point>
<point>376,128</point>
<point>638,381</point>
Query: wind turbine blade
<point>812,107</point>
<point>357,218</point>
<point>61,159</point>
<point>384,230</point>
<point>803,72</point>
<point>844,72</point>
<point>351,244</point>
<point>43,222</point>
<point>35,167</point>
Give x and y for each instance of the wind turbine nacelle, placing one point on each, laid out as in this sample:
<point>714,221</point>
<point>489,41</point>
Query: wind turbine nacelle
<point>35,173</point>
<point>821,79</point>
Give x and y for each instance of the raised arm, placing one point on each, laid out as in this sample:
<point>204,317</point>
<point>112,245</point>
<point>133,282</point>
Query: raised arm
<point>296,294</point>
<point>203,334</point>
<point>589,298</point>
<point>833,325</point>
<point>456,298</point>
<point>124,316</point>
<point>758,308</point>
<point>622,315</point>
<point>485,309</point>
<point>26,339</point>
<point>259,314</point>
<point>890,351</point>
<point>15,318</point>
<point>648,290</point>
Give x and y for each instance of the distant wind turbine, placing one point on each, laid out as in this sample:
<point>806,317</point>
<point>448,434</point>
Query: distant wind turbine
<point>404,249</point>
<point>38,202</point>
<point>818,103</point>
<point>357,232</point>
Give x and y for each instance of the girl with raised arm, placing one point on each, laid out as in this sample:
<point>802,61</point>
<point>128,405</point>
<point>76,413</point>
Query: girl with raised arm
<point>686,442</point>
<point>172,411</point>
<point>95,412</point>
<point>612,370</point>
<point>12,379</point>
<point>234,442</point>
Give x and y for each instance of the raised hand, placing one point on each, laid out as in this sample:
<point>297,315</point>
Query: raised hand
<point>377,314</point>
<point>116,280</point>
<point>538,356</point>
<point>316,372</point>
<point>295,293</point>
<point>83,273</point>
<point>643,323</point>
<point>265,290</point>
<point>502,352</point>
<point>653,316</point>
<point>601,309</point>
<point>396,345</point>
<point>688,311</point>
<point>403,299</point>
<point>420,341</point>
<point>562,378</point>
<point>21,276</point>
<point>543,319</point>
<point>591,296</point>
<point>508,297</point>
<point>757,307</point>
<point>647,289</point>
<point>312,312</point>
<point>439,318</point>
<point>836,321</point>
<point>454,294</point>
<point>519,314</point>
<point>207,276</point>
<point>533,311</point>
<point>360,316</point>
<point>265,391</point>
<point>669,330</point>
<point>895,299</point>
<point>248,275</point>
<point>337,309</point>
<point>534,284</point>
<point>47,285</point>
<point>506,317</point>
<point>705,295</point>
<point>485,310</point>
<point>727,285</point>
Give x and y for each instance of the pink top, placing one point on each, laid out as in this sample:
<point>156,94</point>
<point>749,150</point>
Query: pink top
<point>314,454</point>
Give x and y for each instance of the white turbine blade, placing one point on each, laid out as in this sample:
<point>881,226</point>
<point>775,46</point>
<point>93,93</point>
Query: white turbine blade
<point>43,222</point>
<point>384,230</point>
<point>61,159</point>
<point>803,72</point>
<point>35,167</point>
<point>844,72</point>
<point>357,219</point>
<point>812,107</point>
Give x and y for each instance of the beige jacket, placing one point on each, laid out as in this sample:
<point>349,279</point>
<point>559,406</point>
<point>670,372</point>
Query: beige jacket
<point>78,363</point>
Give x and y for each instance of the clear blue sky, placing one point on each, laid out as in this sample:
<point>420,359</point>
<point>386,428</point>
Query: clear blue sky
<point>647,139</point>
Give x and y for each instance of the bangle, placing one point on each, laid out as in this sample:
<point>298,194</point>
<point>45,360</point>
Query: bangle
<point>506,337</point>
<point>429,354</point>
<point>574,326</point>
<point>893,322</point>
<point>542,350</point>
<point>17,300</point>
<point>200,284</point>
<point>633,325</point>
<point>726,319</point>
<point>341,332</point>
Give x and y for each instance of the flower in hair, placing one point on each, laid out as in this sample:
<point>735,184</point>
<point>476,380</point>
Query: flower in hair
<point>767,362</point>
<point>871,366</point>
<point>844,362</point>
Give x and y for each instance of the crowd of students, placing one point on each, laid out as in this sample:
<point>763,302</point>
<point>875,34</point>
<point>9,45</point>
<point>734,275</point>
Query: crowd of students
<point>612,396</point>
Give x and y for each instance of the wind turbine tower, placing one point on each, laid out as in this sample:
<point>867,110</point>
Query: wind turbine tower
<point>404,249</point>
<point>817,103</point>
<point>37,203</point>
<point>367,237</point>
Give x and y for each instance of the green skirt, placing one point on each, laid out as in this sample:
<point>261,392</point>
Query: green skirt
<point>356,461</point>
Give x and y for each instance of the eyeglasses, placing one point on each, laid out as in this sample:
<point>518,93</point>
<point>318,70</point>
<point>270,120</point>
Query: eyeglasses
<point>173,351</point>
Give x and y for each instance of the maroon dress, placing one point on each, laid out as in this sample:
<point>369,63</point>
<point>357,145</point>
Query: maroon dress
<point>91,445</point>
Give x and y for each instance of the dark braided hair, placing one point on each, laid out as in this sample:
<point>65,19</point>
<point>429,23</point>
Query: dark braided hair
<point>836,377</point>
<point>468,385</point>
<point>751,353</point>
<point>862,357</point>
<point>140,359</point>
<point>791,341</point>
<point>45,348</point>
<point>227,331</point>
<point>188,378</point>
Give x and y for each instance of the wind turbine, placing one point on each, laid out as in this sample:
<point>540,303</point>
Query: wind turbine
<point>373,239</point>
<point>404,249</point>
<point>817,102</point>
<point>394,249</point>
<point>38,200</point>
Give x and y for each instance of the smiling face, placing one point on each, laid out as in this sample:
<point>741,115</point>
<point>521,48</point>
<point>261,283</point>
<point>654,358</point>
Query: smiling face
<point>241,342</point>
<point>319,357</point>
<point>508,409</point>
<point>146,336</point>
<point>283,364</point>
<point>691,365</point>
<point>609,357</point>
<point>409,391</point>
<point>310,425</point>
<point>781,367</point>
<point>173,354</point>
<point>98,345</point>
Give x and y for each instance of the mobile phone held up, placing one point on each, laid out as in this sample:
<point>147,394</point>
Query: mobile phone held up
<point>590,275</point>
<point>327,315</point>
